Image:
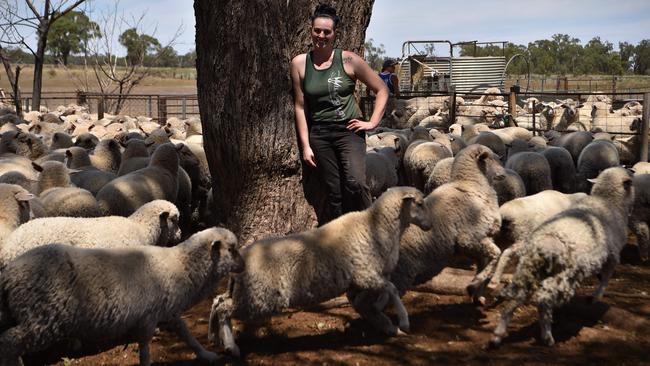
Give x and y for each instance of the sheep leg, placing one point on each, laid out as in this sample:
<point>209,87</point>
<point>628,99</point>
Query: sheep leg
<point>486,252</point>
<point>605,274</point>
<point>503,261</point>
<point>15,342</point>
<point>222,309</point>
<point>402,314</point>
<point>504,320</point>
<point>178,326</point>
<point>545,312</point>
<point>370,304</point>
<point>145,356</point>
<point>640,229</point>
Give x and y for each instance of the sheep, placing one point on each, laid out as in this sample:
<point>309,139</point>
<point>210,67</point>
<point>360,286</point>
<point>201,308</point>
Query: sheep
<point>155,223</point>
<point>574,142</point>
<point>641,168</point>
<point>193,127</point>
<point>395,139</point>
<point>355,251</point>
<point>29,146</point>
<point>107,156</point>
<point>508,186</point>
<point>594,158</point>
<point>15,209</point>
<point>56,195</point>
<point>159,180</point>
<point>464,216</point>
<point>382,165</point>
<point>102,298</point>
<point>507,134</point>
<point>563,172</point>
<point>579,242</point>
<point>134,157</point>
<point>19,179</point>
<point>86,176</point>
<point>521,216</point>
<point>534,170</point>
<point>640,218</point>
<point>87,141</point>
<point>60,140</point>
<point>457,144</point>
<point>570,118</point>
<point>419,160</point>
<point>492,141</point>
<point>440,175</point>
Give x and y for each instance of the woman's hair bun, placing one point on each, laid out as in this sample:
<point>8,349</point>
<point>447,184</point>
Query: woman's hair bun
<point>326,11</point>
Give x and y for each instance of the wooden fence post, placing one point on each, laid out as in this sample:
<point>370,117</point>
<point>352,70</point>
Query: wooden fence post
<point>645,128</point>
<point>452,104</point>
<point>162,110</point>
<point>512,101</point>
<point>100,107</point>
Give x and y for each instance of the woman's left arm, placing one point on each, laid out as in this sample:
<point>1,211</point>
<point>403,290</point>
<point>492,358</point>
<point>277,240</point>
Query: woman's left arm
<point>366,75</point>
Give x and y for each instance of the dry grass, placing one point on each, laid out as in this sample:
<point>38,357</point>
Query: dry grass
<point>58,79</point>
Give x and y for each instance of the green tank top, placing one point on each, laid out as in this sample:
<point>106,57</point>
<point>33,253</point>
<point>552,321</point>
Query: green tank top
<point>329,93</point>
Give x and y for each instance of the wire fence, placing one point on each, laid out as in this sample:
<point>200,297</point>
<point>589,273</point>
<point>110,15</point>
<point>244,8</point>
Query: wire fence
<point>615,113</point>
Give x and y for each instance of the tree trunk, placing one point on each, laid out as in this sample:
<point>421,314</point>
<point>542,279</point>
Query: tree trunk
<point>39,59</point>
<point>244,49</point>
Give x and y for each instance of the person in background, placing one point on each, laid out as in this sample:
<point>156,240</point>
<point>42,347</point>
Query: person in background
<point>387,74</point>
<point>331,130</point>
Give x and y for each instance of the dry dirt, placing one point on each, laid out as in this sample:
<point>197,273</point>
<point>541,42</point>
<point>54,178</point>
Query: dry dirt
<point>446,330</point>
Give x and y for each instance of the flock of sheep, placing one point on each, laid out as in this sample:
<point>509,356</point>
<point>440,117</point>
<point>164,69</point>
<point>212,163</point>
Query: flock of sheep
<point>94,210</point>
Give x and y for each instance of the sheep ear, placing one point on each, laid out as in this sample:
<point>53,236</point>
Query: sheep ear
<point>398,146</point>
<point>592,180</point>
<point>408,196</point>
<point>24,196</point>
<point>68,153</point>
<point>148,144</point>
<point>37,167</point>
<point>179,147</point>
<point>123,144</point>
<point>91,127</point>
<point>164,215</point>
<point>484,155</point>
<point>168,132</point>
<point>627,184</point>
<point>73,171</point>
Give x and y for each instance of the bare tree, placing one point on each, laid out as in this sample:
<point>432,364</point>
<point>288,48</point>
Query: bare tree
<point>111,74</point>
<point>18,17</point>
<point>13,80</point>
<point>244,49</point>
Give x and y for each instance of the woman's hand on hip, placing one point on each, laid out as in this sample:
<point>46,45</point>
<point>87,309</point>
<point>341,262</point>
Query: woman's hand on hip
<point>308,157</point>
<point>357,125</point>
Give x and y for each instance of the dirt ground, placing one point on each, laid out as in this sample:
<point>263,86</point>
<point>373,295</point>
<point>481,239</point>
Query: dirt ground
<point>446,329</point>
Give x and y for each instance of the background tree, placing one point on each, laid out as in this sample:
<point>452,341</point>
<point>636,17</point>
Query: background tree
<point>19,16</point>
<point>642,58</point>
<point>374,55</point>
<point>246,105</point>
<point>70,35</point>
<point>138,46</point>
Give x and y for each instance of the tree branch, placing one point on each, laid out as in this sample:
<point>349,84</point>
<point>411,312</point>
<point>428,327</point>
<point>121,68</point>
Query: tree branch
<point>33,9</point>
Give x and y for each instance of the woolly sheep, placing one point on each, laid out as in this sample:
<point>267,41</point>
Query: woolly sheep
<point>457,144</point>
<point>440,175</point>
<point>508,186</point>
<point>464,215</point>
<point>107,156</point>
<point>534,170</point>
<point>382,165</point>
<point>594,158</point>
<point>492,141</point>
<point>87,176</point>
<point>641,168</point>
<point>103,298</point>
<point>577,243</point>
<point>61,140</point>
<point>574,142</point>
<point>159,180</point>
<point>419,160</point>
<point>563,172</point>
<point>357,250</point>
<point>14,200</point>
<point>155,223</point>
<point>87,141</point>
<point>521,216</point>
<point>640,218</point>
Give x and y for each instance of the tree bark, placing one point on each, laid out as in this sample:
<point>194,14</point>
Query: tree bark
<point>244,49</point>
<point>39,59</point>
<point>13,81</point>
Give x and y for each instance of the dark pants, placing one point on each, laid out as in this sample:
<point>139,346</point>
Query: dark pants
<point>341,160</point>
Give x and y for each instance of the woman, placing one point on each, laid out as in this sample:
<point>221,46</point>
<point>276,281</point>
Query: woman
<point>331,133</point>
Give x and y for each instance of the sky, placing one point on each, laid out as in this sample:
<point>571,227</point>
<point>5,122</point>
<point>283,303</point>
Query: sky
<point>395,21</point>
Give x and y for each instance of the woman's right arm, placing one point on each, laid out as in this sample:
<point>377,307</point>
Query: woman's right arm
<point>297,64</point>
